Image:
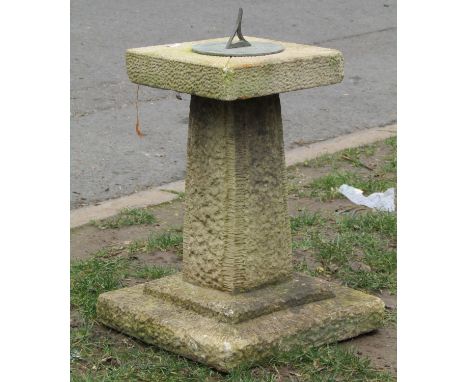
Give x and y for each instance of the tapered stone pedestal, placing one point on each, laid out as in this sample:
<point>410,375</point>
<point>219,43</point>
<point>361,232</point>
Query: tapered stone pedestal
<point>237,300</point>
<point>236,224</point>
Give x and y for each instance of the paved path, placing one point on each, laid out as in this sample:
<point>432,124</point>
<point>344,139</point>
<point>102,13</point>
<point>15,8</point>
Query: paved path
<point>108,159</point>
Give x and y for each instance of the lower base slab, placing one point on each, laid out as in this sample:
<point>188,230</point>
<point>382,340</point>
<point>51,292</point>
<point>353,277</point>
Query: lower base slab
<point>226,346</point>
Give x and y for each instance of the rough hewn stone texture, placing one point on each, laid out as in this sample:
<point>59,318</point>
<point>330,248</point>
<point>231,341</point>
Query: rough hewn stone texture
<point>227,307</point>
<point>176,67</point>
<point>226,345</point>
<point>236,225</point>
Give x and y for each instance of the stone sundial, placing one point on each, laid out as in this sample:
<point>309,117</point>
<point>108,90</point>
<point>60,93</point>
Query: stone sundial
<point>237,300</point>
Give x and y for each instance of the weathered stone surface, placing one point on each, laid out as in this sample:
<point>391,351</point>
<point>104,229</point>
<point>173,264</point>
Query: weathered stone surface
<point>176,67</point>
<point>234,308</point>
<point>237,233</point>
<point>225,345</point>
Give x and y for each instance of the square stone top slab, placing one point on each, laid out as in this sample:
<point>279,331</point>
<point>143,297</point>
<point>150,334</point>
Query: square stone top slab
<point>177,67</point>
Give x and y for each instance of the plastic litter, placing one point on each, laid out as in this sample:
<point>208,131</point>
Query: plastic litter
<point>381,201</point>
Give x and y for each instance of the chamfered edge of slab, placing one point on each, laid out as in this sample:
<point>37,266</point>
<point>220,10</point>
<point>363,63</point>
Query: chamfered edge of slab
<point>177,67</point>
<point>234,308</point>
<point>226,346</point>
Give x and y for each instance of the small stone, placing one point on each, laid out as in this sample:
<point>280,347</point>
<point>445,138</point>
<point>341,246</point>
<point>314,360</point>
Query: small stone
<point>112,361</point>
<point>313,264</point>
<point>333,267</point>
<point>359,266</point>
<point>389,299</point>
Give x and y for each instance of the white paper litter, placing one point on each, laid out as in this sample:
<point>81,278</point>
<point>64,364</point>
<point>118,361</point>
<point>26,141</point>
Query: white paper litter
<point>381,201</point>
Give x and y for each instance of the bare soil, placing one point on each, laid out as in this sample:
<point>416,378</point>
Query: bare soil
<point>89,239</point>
<point>379,346</point>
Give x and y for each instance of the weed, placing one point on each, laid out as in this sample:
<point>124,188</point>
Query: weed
<point>127,217</point>
<point>164,241</point>
<point>158,241</point>
<point>152,272</point>
<point>304,219</point>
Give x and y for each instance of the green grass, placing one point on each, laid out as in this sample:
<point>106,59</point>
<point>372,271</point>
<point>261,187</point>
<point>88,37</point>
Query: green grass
<point>158,241</point>
<point>153,272</point>
<point>89,278</point>
<point>390,318</point>
<point>101,357</point>
<point>392,142</point>
<point>390,165</point>
<point>376,222</point>
<point>356,152</point>
<point>101,273</point>
<point>164,241</point>
<point>331,160</point>
<point>127,217</point>
<point>351,155</point>
<point>367,239</point>
<point>326,187</point>
<point>304,219</point>
<point>373,178</point>
<point>330,363</point>
<point>134,362</point>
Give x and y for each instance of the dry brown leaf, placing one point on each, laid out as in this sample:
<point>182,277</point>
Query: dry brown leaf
<point>137,128</point>
<point>137,125</point>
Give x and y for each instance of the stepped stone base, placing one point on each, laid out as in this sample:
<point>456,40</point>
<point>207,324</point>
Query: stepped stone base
<point>235,308</point>
<point>145,312</point>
